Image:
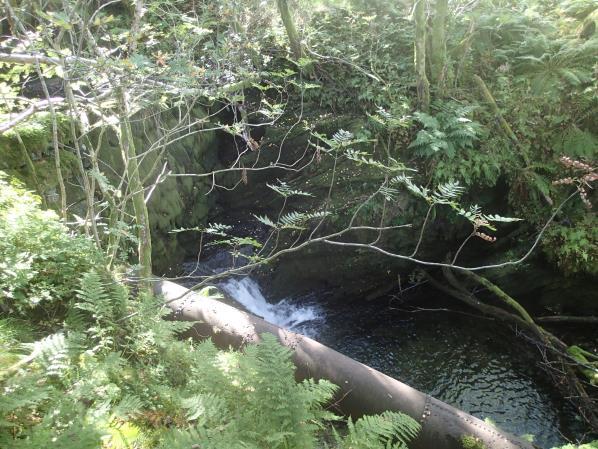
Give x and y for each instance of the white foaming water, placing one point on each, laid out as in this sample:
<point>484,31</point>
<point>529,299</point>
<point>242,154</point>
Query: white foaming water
<point>298,318</point>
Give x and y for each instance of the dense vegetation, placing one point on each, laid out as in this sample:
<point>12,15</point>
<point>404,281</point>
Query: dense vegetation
<point>98,367</point>
<point>445,136</point>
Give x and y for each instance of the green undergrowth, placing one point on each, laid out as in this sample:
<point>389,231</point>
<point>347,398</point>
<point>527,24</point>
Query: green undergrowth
<point>592,445</point>
<point>86,363</point>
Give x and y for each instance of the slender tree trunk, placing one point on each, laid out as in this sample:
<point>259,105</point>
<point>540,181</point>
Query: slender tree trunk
<point>75,123</point>
<point>136,187</point>
<point>438,66</point>
<point>289,24</point>
<point>16,25</point>
<point>504,125</point>
<point>499,293</point>
<point>30,167</point>
<point>568,319</point>
<point>463,53</point>
<point>423,85</point>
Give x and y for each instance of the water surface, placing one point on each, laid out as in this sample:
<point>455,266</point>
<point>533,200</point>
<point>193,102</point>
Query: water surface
<point>469,362</point>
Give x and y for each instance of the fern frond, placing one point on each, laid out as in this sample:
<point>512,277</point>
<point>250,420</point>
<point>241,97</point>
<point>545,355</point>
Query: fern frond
<point>342,137</point>
<point>389,193</point>
<point>265,220</point>
<point>448,192</point>
<point>284,190</point>
<point>388,430</point>
<point>422,192</point>
<point>52,353</point>
<point>292,220</point>
<point>128,407</point>
<point>296,220</point>
<point>205,409</point>
<point>499,219</point>
<point>320,392</point>
<point>93,297</point>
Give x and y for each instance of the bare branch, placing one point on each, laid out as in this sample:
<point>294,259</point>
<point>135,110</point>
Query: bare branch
<point>22,116</point>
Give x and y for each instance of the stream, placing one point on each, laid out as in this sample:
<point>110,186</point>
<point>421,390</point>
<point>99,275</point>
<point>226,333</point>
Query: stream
<point>468,362</point>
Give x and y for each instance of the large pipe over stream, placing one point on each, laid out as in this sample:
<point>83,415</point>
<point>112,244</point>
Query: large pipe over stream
<point>363,390</point>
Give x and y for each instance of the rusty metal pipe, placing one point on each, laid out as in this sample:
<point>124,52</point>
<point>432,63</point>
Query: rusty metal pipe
<point>363,390</point>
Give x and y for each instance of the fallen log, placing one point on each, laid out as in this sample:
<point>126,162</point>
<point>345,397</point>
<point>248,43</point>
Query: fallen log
<point>363,390</point>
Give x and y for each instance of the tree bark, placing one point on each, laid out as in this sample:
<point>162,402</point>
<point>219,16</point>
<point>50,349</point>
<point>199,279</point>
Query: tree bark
<point>568,319</point>
<point>136,188</point>
<point>423,85</point>
<point>438,66</point>
<point>363,390</point>
<point>289,25</point>
<point>499,293</point>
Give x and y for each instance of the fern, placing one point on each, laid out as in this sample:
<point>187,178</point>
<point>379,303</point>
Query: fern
<point>129,406</point>
<point>478,219</point>
<point>577,143</point>
<point>446,134</point>
<point>388,430</point>
<point>212,228</point>
<point>292,220</point>
<point>206,409</point>
<point>52,353</point>
<point>104,306</point>
<point>284,190</point>
<point>342,137</point>
<point>447,193</point>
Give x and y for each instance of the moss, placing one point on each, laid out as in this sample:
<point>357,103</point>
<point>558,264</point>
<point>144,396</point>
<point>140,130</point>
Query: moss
<point>471,442</point>
<point>36,133</point>
<point>176,202</point>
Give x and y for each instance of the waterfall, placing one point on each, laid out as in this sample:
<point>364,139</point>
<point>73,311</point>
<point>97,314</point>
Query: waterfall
<point>302,318</point>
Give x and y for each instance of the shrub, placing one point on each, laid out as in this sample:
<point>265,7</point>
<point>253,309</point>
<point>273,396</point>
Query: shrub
<point>40,260</point>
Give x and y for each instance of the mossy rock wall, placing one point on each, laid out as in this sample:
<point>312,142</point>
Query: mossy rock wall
<point>36,136</point>
<point>175,202</point>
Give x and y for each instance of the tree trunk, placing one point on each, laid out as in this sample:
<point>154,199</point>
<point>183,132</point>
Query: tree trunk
<point>568,319</point>
<point>423,85</point>
<point>438,66</point>
<point>136,188</point>
<point>505,127</point>
<point>289,24</point>
<point>363,390</point>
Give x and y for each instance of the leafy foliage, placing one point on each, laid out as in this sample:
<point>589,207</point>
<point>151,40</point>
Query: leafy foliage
<point>284,190</point>
<point>574,248</point>
<point>40,260</point>
<point>115,374</point>
<point>592,445</point>
<point>292,220</point>
<point>449,132</point>
<point>388,430</point>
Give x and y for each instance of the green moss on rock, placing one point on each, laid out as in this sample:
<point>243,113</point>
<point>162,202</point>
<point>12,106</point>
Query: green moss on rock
<point>471,442</point>
<point>176,201</point>
<point>36,134</point>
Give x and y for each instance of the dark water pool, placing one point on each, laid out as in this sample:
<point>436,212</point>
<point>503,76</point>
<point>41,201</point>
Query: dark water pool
<point>470,363</point>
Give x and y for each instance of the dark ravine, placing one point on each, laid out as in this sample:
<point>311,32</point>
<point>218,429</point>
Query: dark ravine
<point>363,390</point>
